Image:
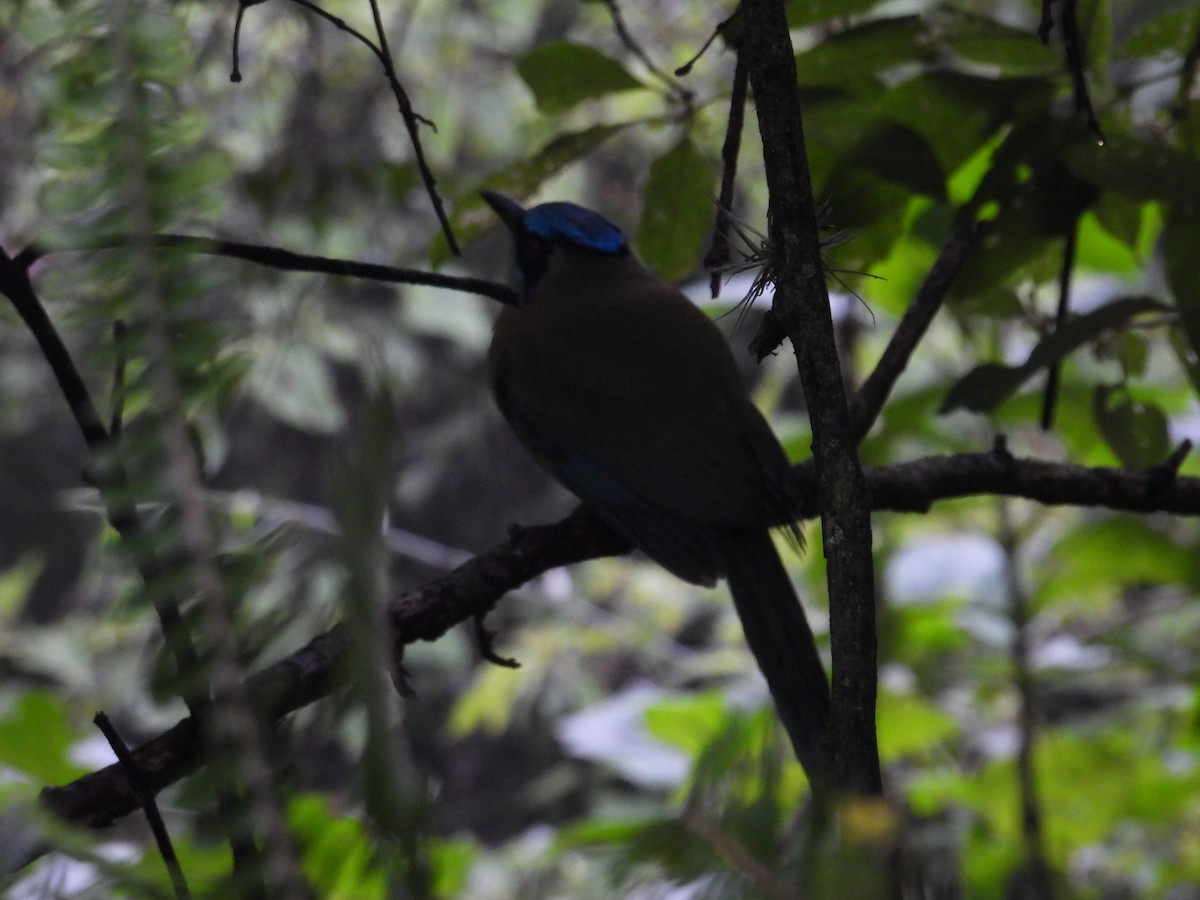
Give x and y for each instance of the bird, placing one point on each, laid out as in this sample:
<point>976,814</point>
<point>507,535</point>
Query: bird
<point>630,397</point>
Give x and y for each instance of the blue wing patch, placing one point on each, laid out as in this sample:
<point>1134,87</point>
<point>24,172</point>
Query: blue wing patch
<point>687,550</point>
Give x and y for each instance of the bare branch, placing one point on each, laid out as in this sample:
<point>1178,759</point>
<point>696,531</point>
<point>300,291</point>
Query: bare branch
<point>1050,398</point>
<point>158,827</point>
<point>684,95</point>
<point>1069,24</point>
<point>100,798</point>
<point>719,250</point>
<point>412,119</point>
<point>1034,872</point>
<point>288,261</point>
<point>869,400</point>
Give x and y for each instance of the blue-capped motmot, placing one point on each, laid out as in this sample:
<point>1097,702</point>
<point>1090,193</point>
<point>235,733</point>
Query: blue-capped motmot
<point>629,395</point>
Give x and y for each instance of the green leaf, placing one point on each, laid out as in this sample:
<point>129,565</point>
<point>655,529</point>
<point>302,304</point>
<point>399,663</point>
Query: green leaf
<point>870,205</point>
<point>859,53</point>
<point>520,180</point>
<point>337,853</point>
<point>957,112</point>
<point>1031,196</point>
<point>899,276</point>
<point>487,705</point>
<point>997,302</point>
<point>452,861</point>
<point>1095,24</point>
<point>900,155</point>
<point>809,12</point>
<point>689,723</point>
<point>1180,243</point>
<point>1139,170</point>
<point>16,582</point>
<point>1120,216</point>
<point>1014,51</point>
<point>35,738</point>
<point>1158,33</point>
<point>663,841</point>
<point>1134,354</point>
<point>909,725</point>
<point>563,74</point>
<point>987,386</point>
<point>1136,432</point>
<point>1098,559</point>
<point>984,388</point>
<point>1099,251</point>
<point>1148,788</point>
<point>677,216</point>
<point>921,633</point>
<point>1187,356</point>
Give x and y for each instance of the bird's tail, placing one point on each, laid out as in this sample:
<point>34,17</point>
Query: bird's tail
<point>780,639</point>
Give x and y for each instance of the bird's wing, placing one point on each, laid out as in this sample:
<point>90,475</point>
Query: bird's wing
<point>644,417</point>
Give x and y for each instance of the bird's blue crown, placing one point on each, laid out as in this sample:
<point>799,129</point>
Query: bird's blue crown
<point>576,225</point>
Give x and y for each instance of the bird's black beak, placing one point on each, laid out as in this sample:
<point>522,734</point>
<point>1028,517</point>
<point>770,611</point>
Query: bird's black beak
<point>511,212</point>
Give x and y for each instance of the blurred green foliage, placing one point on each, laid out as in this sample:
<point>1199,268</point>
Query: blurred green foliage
<point>912,121</point>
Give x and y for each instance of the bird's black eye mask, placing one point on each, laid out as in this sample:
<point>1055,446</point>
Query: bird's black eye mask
<point>551,225</point>
<point>532,256</point>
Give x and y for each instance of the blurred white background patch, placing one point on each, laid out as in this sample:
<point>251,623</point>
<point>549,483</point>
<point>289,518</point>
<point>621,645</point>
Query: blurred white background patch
<point>614,733</point>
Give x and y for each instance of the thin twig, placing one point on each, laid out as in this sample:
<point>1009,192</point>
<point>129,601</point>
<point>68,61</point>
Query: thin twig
<point>485,638</point>
<point>868,402</point>
<point>412,122</point>
<point>1187,77</point>
<point>118,388</point>
<point>721,28</point>
<point>235,72</point>
<point>1035,873</point>
<point>684,95</point>
<point>149,807</point>
<point>288,261</point>
<point>412,119</point>
<point>1067,267</point>
<point>1077,65</point>
<point>1164,474</point>
<point>719,250</point>
<point>1046,24</point>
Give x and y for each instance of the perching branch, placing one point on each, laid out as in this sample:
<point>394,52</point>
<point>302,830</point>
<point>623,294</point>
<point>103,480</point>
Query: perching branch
<point>100,798</point>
